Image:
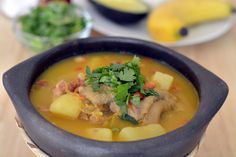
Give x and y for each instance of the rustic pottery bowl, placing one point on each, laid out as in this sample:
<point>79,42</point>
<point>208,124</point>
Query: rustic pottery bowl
<point>59,143</point>
<point>40,153</point>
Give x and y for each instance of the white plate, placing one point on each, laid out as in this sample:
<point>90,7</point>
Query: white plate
<point>198,34</point>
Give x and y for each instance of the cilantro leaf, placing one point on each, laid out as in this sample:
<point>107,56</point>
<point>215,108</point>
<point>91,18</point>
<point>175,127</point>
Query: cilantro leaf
<point>104,79</point>
<point>127,74</point>
<point>129,118</point>
<point>117,67</point>
<point>95,86</point>
<point>136,60</point>
<point>151,92</point>
<point>122,92</point>
<point>123,108</point>
<point>135,100</point>
<point>88,72</point>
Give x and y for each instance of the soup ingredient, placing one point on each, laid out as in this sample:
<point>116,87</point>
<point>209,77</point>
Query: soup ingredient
<point>57,22</point>
<point>122,80</point>
<point>146,103</point>
<point>142,132</point>
<point>98,98</point>
<point>101,134</point>
<point>138,6</point>
<point>164,81</point>
<point>169,22</point>
<point>68,105</point>
<point>167,102</point>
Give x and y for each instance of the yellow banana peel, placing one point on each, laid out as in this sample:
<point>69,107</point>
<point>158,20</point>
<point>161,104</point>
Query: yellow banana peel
<point>169,22</point>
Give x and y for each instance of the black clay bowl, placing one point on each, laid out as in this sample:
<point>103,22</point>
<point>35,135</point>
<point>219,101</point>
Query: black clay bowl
<point>58,143</point>
<point>117,16</point>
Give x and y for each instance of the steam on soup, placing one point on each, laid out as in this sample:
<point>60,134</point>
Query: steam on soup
<point>114,97</point>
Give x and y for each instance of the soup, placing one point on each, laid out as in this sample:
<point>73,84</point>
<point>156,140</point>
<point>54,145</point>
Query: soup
<point>114,97</point>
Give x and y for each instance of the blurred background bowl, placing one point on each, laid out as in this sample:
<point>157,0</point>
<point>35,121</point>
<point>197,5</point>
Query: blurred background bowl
<point>42,43</point>
<point>119,16</point>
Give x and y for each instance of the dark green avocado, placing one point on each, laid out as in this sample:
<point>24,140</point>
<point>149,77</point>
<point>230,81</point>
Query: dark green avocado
<point>120,16</point>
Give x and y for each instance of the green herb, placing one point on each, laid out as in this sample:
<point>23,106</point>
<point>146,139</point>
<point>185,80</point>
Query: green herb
<point>151,92</point>
<point>125,80</point>
<point>56,21</point>
<point>127,74</point>
<point>121,96</point>
<point>88,71</point>
<point>135,100</point>
<point>128,118</point>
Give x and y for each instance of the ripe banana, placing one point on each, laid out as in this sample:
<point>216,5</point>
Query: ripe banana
<point>170,21</point>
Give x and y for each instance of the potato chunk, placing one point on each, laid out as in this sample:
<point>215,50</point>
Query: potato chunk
<point>68,105</point>
<point>164,81</point>
<point>101,134</point>
<point>142,132</point>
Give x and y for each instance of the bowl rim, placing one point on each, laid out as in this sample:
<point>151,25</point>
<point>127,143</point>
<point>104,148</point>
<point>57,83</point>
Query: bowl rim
<point>211,89</point>
<point>37,151</point>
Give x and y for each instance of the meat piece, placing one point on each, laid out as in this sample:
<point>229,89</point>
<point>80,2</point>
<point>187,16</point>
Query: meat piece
<point>154,114</point>
<point>166,103</point>
<point>139,112</point>
<point>98,118</point>
<point>81,83</point>
<point>42,83</point>
<point>92,113</point>
<point>114,108</point>
<point>89,109</point>
<point>60,89</point>
<point>84,116</point>
<point>145,105</point>
<point>98,98</point>
<point>72,86</point>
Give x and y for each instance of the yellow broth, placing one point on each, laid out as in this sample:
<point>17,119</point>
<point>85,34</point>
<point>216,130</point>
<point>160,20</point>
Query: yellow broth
<point>42,97</point>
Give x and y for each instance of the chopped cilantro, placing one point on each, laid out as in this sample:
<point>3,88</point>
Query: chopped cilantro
<point>105,79</point>
<point>128,118</point>
<point>127,74</point>
<point>135,100</point>
<point>136,60</point>
<point>88,73</point>
<point>125,80</point>
<point>122,92</point>
<point>151,92</point>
